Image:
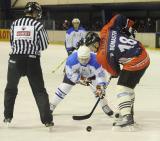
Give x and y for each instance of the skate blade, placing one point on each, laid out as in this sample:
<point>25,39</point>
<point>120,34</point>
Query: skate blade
<point>7,125</point>
<point>130,128</point>
<point>136,125</point>
<point>50,129</point>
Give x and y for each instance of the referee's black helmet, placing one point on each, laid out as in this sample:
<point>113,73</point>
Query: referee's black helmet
<point>33,7</point>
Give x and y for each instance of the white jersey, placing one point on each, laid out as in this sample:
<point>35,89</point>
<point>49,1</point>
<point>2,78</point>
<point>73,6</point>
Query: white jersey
<point>74,70</point>
<point>73,37</point>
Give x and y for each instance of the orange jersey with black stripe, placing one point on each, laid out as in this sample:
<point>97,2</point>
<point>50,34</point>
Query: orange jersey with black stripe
<point>117,49</point>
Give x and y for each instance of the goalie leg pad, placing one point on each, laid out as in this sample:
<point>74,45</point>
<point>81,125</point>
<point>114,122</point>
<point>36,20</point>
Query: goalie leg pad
<point>124,95</point>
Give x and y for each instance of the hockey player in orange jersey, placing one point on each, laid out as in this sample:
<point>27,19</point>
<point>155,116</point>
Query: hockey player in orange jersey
<point>122,57</point>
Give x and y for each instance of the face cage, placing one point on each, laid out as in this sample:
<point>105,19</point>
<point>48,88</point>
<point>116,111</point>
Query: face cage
<point>93,47</point>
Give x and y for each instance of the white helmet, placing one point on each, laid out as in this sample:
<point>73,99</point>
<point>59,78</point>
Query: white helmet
<point>75,20</point>
<point>83,55</point>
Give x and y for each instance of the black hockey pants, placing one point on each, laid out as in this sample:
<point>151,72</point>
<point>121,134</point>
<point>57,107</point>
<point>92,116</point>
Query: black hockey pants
<point>26,65</point>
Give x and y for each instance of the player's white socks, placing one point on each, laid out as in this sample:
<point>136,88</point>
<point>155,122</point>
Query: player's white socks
<point>60,93</point>
<point>124,95</point>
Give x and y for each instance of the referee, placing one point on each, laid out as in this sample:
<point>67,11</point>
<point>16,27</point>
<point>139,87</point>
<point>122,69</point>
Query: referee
<point>28,39</point>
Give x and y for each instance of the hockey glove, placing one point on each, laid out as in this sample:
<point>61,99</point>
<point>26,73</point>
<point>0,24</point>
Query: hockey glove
<point>114,76</point>
<point>84,81</point>
<point>100,91</point>
<point>70,50</point>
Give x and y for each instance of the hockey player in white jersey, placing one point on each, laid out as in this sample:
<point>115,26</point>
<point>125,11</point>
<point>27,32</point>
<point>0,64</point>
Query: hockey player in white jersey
<point>82,67</point>
<point>74,35</point>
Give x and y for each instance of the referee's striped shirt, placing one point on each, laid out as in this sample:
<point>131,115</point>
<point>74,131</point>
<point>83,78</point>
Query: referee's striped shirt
<point>28,36</point>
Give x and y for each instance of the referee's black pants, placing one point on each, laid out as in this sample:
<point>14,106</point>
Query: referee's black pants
<point>24,65</point>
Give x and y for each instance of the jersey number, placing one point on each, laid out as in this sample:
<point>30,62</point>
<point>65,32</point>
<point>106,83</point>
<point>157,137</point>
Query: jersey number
<point>126,43</point>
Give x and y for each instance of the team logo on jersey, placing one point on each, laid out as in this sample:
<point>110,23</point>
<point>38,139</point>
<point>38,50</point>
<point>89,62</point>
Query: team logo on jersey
<point>23,33</point>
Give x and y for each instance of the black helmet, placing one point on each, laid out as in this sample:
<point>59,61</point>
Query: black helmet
<point>33,6</point>
<point>91,37</point>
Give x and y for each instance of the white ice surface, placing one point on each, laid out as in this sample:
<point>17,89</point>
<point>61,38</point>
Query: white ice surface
<point>26,125</point>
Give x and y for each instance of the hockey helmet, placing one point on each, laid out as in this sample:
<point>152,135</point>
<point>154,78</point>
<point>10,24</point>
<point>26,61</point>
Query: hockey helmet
<point>33,6</point>
<point>75,20</point>
<point>83,55</point>
<point>91,38</point>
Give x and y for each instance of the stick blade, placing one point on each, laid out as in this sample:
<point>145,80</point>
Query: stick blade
<point>81,117</point>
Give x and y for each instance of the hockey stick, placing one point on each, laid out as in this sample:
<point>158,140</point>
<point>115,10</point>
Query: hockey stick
<point>83,117</point>
<point>58,66</point>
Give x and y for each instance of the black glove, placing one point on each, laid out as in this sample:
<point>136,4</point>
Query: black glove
<point>114,76</point>
<point>80,43</point>
<point>129,32</point>
<point>71,50</point>
<point>85,81</point>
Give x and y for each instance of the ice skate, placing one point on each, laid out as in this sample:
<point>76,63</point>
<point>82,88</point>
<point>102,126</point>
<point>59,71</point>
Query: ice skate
<point>125,123</point>
<point>107,110</point>
<point>117,118</point>
<point>7,122</point>
<point>50,126</point>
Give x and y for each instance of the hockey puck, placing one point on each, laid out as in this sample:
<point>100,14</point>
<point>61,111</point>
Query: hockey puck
<point>88,128</point>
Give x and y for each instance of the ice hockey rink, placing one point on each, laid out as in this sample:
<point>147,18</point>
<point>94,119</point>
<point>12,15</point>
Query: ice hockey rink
<point>26,125</point>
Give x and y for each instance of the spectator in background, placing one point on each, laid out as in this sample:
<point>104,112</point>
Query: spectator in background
<point>66,25</point>
<point>141,27</point>
<point>149,25</point>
